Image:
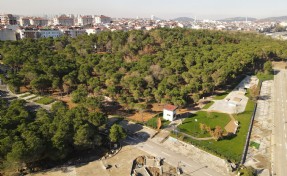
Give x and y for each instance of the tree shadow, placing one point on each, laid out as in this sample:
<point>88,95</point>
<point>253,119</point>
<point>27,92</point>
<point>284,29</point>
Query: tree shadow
<point>131,128</point>
<point>264,97</point>
<point>229,136</point>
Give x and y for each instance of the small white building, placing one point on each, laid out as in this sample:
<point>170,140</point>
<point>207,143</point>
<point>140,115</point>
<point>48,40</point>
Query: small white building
<point>169,112</point>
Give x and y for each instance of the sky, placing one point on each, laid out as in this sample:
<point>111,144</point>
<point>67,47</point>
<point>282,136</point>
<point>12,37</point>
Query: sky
<point>166,9</point>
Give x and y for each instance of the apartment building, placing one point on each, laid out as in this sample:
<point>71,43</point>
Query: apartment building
<point>8,19</point>
<point>24,21</point>
<point>64,20</point>
<point>7,34</point>
<point>102,19</point>
<point>85,20</point>
<point>39,21</point>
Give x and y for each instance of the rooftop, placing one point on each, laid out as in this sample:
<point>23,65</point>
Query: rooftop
<point>170,107</point>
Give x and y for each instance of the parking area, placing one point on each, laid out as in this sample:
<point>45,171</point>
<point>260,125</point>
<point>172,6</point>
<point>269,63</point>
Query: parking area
<point>235,101</point>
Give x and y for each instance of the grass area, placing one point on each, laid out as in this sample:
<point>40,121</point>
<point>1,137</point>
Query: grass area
<point>32,97</point>
<point>25,95</point>
<point>264,77</point>
<point>153,121</point>
<point>212,119</point>
<point>45,100</point>
<point>232,147</point>
<point>254,144</point>
<point>208,105</point>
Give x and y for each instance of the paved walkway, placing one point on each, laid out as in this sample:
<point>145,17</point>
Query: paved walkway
<point>235,101</point>
<point>30,102</point>
<point>261,133</point>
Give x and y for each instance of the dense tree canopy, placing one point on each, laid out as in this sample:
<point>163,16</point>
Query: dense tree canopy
<point>162,65</point>
<point>27,138</point>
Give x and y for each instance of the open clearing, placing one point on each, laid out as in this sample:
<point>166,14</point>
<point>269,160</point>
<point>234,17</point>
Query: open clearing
<point>121,164</point>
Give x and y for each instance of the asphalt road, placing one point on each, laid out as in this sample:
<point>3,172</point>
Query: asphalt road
<point>188,165</point>
<point>280,123</point>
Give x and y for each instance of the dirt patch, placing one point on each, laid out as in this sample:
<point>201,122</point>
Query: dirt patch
<point>262,161</point>
<point>67,99</point>
<point>139,117</point>
<point>120,164</point>
<point>231,126</point>
<point>279,65</point>
<point>153,171</point>
<point>24,89</point>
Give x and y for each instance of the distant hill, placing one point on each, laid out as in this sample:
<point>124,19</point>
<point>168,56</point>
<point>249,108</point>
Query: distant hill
<point>280,18</point>
<point>238,19</point>
<point>183,19</point>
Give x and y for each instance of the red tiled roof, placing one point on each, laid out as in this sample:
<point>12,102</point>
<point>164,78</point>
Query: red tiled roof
<point>170,107</point>
<point>103,16</point>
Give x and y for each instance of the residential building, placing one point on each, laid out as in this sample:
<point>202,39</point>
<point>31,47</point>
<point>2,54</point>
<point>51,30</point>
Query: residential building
<point>28,33</point>
<point>102,19</point>
<point>73,32</point>
<point>7,34</point>
<point>64,20</point>
<point>24,21</point>
<point>45,33</point>
<point>93,31</point>
<point>39,21</point>
<point>85,20</point>
<point>169,112</point>
<point>8,19</point>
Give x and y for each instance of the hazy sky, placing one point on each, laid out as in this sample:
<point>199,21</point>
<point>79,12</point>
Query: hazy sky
<point>202,9</point>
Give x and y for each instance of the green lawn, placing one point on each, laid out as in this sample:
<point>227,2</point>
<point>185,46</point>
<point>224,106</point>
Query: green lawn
<point>208,105</point>
<point>232,147</point>
<point>191,125</point>
<point>45,100</point>
<point>153,121</point>
<point>264,77</point>
<point>254,144</point>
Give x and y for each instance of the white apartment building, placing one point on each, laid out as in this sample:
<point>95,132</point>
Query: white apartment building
<point>64,20</point>
<point>39,21</point>
<point>85,20</point>
<point>24,21</point>
<point>7,34</point>
<point>102,19</point>
<point>73,32</point>
<point>45,33</point>
<point>8,19</point>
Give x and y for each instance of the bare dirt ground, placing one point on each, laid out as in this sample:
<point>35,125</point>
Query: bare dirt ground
<point>279,65</point>
<point>120,164</point>
<point>231,127</point>
<point>23,89</point>
<point>139,117</point>
<point>66,99</point>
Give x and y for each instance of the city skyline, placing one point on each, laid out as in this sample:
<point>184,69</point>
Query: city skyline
<point>166,9</point>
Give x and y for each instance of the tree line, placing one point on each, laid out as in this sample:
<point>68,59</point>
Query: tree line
<point>163,65</point>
